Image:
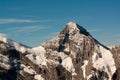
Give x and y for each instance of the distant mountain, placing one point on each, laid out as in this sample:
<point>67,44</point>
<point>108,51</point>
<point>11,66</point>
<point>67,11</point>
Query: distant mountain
<point>71,55</point>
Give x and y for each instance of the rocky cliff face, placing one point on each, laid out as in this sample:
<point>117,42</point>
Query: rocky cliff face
<point>116,54</point>
<point>71,55</point>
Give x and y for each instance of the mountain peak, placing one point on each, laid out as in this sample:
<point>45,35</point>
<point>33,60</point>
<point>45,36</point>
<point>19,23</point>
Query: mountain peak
<point>71,24</point>
<point>72,27</point>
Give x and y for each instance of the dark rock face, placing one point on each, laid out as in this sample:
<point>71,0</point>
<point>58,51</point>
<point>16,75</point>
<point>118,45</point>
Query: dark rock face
<point>72,55</point>
<point>116,75</point>
<point>13,55</point>
<point>116,54</point>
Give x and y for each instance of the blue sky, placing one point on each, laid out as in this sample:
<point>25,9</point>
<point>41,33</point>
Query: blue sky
<point>32,22</point>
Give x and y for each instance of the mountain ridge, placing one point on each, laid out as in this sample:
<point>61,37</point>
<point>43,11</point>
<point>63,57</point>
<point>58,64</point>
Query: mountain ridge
<point>73,54</point>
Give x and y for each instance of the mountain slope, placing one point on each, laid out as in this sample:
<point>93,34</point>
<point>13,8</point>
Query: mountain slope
<point>71,55</point>
<point>87,54</point>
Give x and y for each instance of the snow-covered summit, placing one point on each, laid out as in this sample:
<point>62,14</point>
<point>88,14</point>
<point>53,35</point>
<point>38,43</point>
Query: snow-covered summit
<point>73,27</point>
<point>71,24</point>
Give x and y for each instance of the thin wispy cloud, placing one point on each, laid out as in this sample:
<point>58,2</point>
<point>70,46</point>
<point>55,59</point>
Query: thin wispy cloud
<point>28,29</point>
<point>12,20</point>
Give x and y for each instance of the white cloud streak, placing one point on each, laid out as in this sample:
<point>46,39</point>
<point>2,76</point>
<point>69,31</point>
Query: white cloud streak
<point>12,20</point>
<point>28,29</point>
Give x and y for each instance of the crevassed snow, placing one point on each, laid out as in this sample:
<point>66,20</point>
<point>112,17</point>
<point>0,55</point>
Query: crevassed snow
<point>84,67</point>
<point>38,55</point>
<point>105,63</point>
<point>38,77</point>
<point>68,65</point>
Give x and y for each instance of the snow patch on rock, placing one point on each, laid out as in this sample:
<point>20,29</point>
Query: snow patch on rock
<point>84,67</point>
<point>106,62</point>
<point>68,65</point>
<point>38,77</point>
<point>29,70</point>
<point>62,55</point>
<point>38,55</point>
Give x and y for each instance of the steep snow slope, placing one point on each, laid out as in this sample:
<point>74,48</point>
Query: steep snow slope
<point>105,62</point>
<point>38,53</point>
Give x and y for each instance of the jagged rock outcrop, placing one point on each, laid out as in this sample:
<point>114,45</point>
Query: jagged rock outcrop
<point>116,54</point>
<point>71,55</point>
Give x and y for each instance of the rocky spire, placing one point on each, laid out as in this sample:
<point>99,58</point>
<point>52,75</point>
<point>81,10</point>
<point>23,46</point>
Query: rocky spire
<point>72,28</point>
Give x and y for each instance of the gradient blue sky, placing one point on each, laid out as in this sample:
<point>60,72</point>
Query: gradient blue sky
<point>32,22</point>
